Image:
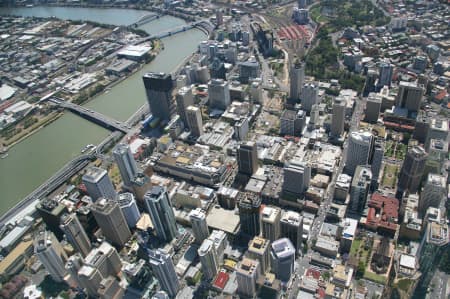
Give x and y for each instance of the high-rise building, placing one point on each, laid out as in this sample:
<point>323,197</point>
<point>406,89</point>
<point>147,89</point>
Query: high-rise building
<point>75,233</point>
<point>247,274</point>
<point>208,259</point>
<point>377,160</point>
<point>161,213</point>
<point>199,225</point>
<point>247,156</point>
<point>437,154</point>
<point>73,265</point>
<point>98,184</point>
<point>438,130</point>
<point>342,188</point>
<point>162,266</point>
<point>249,70</point>
<point>282,259</point>
<point>385,74</point>
<point>338,118</point>
<point>219,238</point>
<point>110,288</point>
<point>297,79</point>
<point>373,107</point>
<point>360,145</point>
<point>270,223</point>
<point>409,96</point>
<point>219,94</point>
<point>111,220</point>
<point>433,192</point>
<point>360,188</point>
<point>296,177</point>
<point>412,169</point>
<point>158,87</point>
<point>258,249</point>
<point>51,254</point>
<point>126,163</point>
<point>184,99</point>
<point>292,122</point>
<point>249,206</point>
<point>129,208</point>
<point>194,120</point>
<point>309,96</point>
<point>219,17</point>
<point>51,212</point>
<point>227,197</point>
<point>291,224</point>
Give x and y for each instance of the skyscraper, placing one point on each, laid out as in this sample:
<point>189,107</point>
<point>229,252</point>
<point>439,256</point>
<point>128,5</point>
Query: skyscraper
<point>377,160</point>
<point>258,249</point>
<point>75,233</point>
<point>199,226</point>
<point>296,177</point>
<point>208,259</point>
<point>385,74</point>
<point>98,184</point>
<point>163,268</point>
<point>249,205</point>
<point>51,212</point>
<point>247,274</point>
<point>373,107</point>
<point>438,129</point>
<point>309,96</point>
<point>184,99</point>
<point>247,156</point>
<point>412,169</point>
<point>126,163</point>
<point>51,254</point>
<point>338,118</point>
<point>111,220</point>
<point>194,120</point>
<point>360,188</point>
<point>158,87</point>
<point>297,79</point>
<point>291,224</point>
<point>219,94</point>
<point>270,223</point>
<point>359,152</point>
<point>282,259</point>
<point>409,96</point>
<point>129,209</point>
<point>73,265</point>
<point>160,209</point>
<point>433,192</point>
<point>220,240</point>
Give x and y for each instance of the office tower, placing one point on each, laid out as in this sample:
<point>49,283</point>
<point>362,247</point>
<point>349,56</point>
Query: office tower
<point>140,185</point>
<point>359,152</point>
<point>422,126</point>
<point>160,209</point>
<point>373,107</point>
<point>129,209</point>
<point>297,175</point>
<point>360,188</point>
<point>302,3</point>
<point>194,120</point>
<point>412,169</point>
<point>51,212</point>
<point>282,259</point>
<point>110,288</point>
<point>256,92</point>
<point>297,79</point>
<point>75,233</point>
<point>338,117</point>
<point>270,223</point>
<point>208,259</point>
<point>438,129</point>
<point>369,85</point>
<point>291,224</point>
<point>98,184</point>
<point>420,63</point>
<point>73,265</point>
<point>51,254</point>
<point>342,188</point>
<point>377,160</point>
<point>219,17</point>
<point>184,99</point>
<point>249,205</point>
<point>249,70</point>
<point>126,163</point>
<point>247,274</point>
<point>292,122</point>
<point>163,268</point>
<point>111,220</point>
<point>227,197</point>
<point>433,192</point>
<point>219,238</point>
<point>258,249</point>
<point>309,96</point>
<point>301,15</point>
<point>247,156</point>
<point>436,157</point>
<point>102,262</point>
<point>87,219</point>
<point>158,87</point>
<point>385,74</point>
<point>219,94</point>
<point>199,226</point>
<point>409,96</point>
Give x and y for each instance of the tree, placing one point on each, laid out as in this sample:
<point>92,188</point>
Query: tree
<point>360,270</point>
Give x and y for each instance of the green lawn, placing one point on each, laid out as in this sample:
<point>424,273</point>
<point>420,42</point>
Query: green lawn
<point>390,174</point>
<point>405,284</point>
<point>375,277</point>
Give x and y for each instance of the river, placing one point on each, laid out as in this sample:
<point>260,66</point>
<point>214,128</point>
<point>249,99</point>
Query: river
<point>32,161</point>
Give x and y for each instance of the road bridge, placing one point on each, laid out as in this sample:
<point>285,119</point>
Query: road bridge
<point>92,115</point>
<point>145,19</point>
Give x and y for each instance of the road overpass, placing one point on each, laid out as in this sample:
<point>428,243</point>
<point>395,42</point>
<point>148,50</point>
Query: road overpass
<point>92,115</point>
